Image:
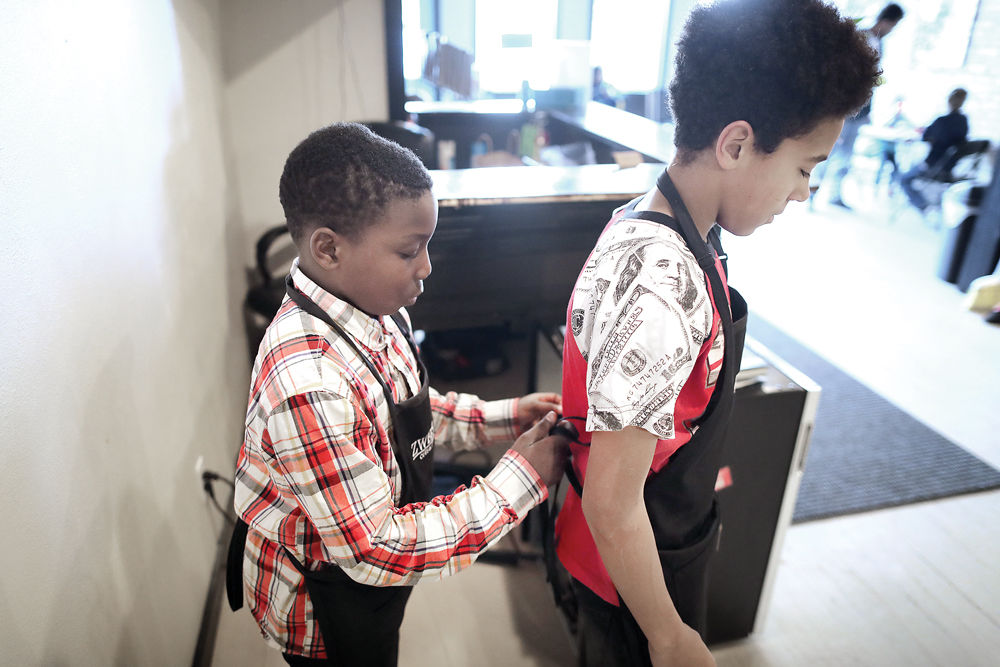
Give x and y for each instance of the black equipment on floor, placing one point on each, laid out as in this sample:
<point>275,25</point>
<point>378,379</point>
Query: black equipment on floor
<point>983,250</point>
<point>959,209</point>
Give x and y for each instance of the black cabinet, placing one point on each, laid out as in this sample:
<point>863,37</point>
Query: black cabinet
<point>765,449</point>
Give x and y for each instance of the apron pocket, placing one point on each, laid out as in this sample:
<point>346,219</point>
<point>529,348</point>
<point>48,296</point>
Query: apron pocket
<point>685,571</point>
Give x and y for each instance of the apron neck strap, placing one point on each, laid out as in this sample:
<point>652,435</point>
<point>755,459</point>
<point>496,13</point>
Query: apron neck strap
<point>308,305</point>
<point>702,251</point>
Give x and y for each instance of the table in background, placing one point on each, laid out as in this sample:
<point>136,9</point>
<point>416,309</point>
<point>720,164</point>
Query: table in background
<point>906,142</point>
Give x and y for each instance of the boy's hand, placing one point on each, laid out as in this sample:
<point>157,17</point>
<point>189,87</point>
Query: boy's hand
<point>687,649</point>
<point>543,452</point>
<point>533,407</point>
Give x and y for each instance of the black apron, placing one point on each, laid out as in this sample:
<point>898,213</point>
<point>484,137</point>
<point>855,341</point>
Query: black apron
<point>680,498</point>
<point>360,623</point>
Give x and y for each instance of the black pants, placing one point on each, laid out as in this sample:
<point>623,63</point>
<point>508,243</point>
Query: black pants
<point>607,636</point>
<point>300,661</point>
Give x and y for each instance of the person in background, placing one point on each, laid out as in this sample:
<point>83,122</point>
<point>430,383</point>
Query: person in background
<point>333,482</point>
<point>840,159</point>
<point>887,149</point>
<point>602,92</point>
<point>654,334</point>
<point>945,132</point>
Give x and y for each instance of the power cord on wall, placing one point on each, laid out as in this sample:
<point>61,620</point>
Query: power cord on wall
<point>207,477</point>
<point>205,646</point>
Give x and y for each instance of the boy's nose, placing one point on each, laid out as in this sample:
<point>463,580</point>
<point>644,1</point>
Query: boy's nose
<point>425,267</point>
<point>801,191</point>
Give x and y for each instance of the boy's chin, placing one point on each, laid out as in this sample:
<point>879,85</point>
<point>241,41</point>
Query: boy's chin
<point>744,229</point>
<point>403,304</point>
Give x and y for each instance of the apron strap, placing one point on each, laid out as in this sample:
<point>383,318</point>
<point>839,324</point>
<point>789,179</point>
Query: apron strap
<point>234,565</point>
<point>308,305</point>
<point>416,477</point>
<point>702,251</point>
<point>705,253</point>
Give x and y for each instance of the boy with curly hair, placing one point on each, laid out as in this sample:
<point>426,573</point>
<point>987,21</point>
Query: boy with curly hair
<point>654,334</point>
<point>333,482</point>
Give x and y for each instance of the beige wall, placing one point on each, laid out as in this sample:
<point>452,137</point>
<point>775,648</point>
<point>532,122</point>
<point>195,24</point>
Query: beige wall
<point>121,350</point>
<point>140,147</point>
<point>291,68</point>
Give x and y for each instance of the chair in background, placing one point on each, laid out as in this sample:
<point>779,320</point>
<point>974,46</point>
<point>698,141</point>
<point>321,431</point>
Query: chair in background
<point>958,164</point>
<point>418,139</point>
<point>275,252</point>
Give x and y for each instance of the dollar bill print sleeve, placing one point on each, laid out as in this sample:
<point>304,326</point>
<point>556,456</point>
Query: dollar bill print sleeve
<point>641,314</point>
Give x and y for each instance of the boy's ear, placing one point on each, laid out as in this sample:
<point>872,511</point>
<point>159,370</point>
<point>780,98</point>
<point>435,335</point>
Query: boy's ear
<point>324,247</point>
<point>735,141</point>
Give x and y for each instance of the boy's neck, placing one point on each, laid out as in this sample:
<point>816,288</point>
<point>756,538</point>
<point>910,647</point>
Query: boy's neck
<point>698,188</point>
<point>323,280</point>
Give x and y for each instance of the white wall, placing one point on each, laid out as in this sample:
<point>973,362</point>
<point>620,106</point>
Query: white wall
<point>291,68</point>
<point>122,355</point>
<point>131,199</point>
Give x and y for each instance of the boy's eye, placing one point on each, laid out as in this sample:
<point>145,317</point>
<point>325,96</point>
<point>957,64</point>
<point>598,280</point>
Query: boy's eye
<point>804,173</point>
<point>409,255</point>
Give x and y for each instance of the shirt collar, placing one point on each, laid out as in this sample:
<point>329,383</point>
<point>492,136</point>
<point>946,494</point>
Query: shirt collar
<point>367,330</point>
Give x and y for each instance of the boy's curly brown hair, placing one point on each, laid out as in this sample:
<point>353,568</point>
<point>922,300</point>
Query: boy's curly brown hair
<point>781,65</point>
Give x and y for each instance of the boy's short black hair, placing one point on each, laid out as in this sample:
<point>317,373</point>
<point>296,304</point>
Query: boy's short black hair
<point>343,176</point>
<point>891,12</point>
<point>781,65</point>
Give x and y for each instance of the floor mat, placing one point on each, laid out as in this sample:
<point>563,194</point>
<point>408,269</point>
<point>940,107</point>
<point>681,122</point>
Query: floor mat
<point>866,453</point>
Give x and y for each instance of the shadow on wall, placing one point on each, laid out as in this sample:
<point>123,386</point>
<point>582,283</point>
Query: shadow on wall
<point>264,27</point>
<point>125,587</point>
<point>145,534</point>
<point>164,397</point>
<point>234,240</point>
<point>15,643</point>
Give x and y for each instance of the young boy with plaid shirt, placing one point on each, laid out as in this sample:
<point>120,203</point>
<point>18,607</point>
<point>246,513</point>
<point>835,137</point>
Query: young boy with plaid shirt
<point>333,482</point>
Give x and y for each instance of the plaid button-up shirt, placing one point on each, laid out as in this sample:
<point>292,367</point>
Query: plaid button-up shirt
<point>316,474</point>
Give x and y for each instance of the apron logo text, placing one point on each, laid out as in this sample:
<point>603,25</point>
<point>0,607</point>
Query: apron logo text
<point>422,447</point>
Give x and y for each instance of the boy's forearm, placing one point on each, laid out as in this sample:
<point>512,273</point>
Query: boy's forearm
<point>334,476</point>
<point>628,549</point>
<point>437,539</point>
<point>616,514</point>
<point>465,421</point>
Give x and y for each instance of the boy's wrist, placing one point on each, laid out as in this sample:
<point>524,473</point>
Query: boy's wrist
<point>518,483</point>
<point>501,420</point>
